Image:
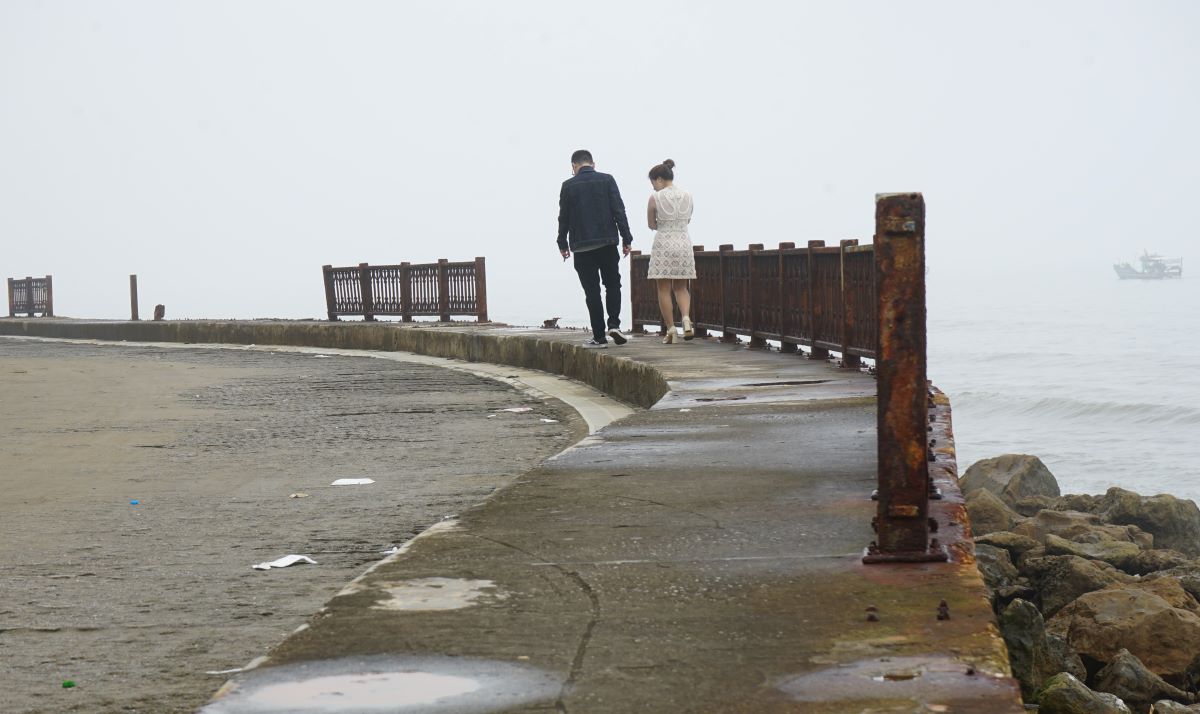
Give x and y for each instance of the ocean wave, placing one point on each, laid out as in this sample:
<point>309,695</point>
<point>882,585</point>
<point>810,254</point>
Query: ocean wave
<point>1070,408</point>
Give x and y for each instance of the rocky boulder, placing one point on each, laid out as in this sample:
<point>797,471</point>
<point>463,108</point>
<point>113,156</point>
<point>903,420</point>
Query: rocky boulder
<point>1166,706</point>
<point>1153,561</point>
<point>995,566</point>
<point>1168,589</point>
<point>1174,522</point>
<point>988,513</point>
<point>1059,579</point>
<point>1035,656</point>
<point>1079,527</point>
<point>1016,545</point>
<point>1126,677</point>
<point>1011,477</point>
<point>1029,505</point>
<point>1100,624</point>
<point>1065,694</point>
<point>1187,575</point>
<point>1113,552</point>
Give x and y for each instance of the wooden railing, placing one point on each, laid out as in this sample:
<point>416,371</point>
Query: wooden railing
<point>406,290</point>
<point>819,297</point>
<point>30,296</point>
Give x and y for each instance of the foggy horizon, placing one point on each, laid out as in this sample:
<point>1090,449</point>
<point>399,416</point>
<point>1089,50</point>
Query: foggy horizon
<point>225,151</point>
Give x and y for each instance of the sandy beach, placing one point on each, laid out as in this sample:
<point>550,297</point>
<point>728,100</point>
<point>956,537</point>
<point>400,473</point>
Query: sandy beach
<point>137,603</point>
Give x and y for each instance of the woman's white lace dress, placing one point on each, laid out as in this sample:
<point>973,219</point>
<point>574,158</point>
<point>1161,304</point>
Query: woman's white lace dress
<point>671,254</point>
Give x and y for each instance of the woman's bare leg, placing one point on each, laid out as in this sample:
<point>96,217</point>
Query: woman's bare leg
<point>664,305</point>
<point>683,298</point>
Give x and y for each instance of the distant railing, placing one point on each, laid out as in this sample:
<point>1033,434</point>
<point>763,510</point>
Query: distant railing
<point>406,290</point>
<point>818,297</point>
<point>30,296</point>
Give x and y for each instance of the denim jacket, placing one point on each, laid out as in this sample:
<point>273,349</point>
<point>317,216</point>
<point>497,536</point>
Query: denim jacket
<point>590,210</point>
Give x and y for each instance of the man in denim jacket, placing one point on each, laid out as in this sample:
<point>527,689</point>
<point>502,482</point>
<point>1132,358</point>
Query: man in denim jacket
<point>591,212</point>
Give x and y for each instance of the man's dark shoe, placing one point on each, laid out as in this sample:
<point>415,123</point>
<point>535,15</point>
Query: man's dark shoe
<point>615,334</point>
<point>594,345</point>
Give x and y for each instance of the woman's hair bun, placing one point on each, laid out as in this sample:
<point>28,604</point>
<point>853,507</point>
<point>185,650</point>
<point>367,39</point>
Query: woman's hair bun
<point>668,163</point>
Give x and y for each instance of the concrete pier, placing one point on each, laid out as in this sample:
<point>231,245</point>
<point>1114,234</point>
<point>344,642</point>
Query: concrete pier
<point>702,554</point>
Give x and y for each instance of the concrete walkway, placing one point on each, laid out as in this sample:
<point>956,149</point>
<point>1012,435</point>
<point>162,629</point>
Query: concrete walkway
<point>702,555</point>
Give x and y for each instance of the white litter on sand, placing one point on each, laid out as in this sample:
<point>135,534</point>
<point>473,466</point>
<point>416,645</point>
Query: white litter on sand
<point>518,410</point>
<point>549,421</point>
<point>284,562</point>
<point>352,482</point>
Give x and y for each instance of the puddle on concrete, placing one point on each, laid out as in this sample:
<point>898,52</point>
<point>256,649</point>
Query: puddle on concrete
<point>925,681</point>
<point>793,383</point>
<point>371,685</point>
<point>430,594</point>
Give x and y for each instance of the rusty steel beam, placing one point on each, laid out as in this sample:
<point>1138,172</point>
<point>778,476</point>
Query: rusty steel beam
<point>902,518</point>
<point>133,298</point>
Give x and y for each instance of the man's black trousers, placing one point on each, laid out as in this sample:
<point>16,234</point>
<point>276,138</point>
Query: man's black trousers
<point>602,265</point>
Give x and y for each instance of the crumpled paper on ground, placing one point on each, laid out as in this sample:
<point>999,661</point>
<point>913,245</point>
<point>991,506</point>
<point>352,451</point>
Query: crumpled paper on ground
<point>284,562</point>
<point>352,482</point>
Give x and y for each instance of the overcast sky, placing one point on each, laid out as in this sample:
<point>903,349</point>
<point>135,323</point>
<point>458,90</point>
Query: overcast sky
<point>224,151</point>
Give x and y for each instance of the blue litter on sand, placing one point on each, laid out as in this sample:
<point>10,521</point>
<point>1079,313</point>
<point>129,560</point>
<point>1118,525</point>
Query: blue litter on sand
<point>134,502</point>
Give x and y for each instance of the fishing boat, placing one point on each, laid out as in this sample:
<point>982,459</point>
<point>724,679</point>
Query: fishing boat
<point>1154,267</point>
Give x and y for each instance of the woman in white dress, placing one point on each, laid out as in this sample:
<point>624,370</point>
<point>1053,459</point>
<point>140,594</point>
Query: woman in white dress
<point>672,262</point>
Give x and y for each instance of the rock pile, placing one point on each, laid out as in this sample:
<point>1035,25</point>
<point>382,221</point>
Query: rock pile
<point>1098,597</point>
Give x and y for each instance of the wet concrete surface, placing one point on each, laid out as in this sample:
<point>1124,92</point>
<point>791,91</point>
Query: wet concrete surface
<point>137,603</point>
<point>701,556</point>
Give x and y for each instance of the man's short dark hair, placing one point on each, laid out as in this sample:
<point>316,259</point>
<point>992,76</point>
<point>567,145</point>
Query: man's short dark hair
<point>583,156</point>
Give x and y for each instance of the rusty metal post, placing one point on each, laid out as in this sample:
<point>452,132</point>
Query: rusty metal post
<point>693,287</point>
<point>480,291</point>
<point>756,342</point>
<point>726,334</point>
<point>405,292</point>
<point>849,361</point>
<point>902,527</point>
<point>12,309</point>
<point>29,295</point>
<point>133,299</point>
<point>780,298</point>
<point>330,295</point>
<point>443,279</point>
<point>49,295</point>
<point>817,352</point>
<point>364,287</point>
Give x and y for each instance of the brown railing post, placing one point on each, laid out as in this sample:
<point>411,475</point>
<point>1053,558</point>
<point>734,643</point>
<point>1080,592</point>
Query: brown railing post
<point>693,286</point>
<point>726,334</point>
<point>133,298</point>
<point>405,292</point>
<point>443,291</point>
<point>902,525</point>
<point>49,296</point>
<point>29,294</point>
<point>756,325</point>
<point>480,291</point>
<point>368,300</point>
<point>849,361</point>
<point>634,284</point>
<point>12,308</point>
<point>784,346</point>
<point>817,352</point>
<point>330,296</point>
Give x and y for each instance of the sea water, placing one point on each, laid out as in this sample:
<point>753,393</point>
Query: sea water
<point>1099,377</point>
